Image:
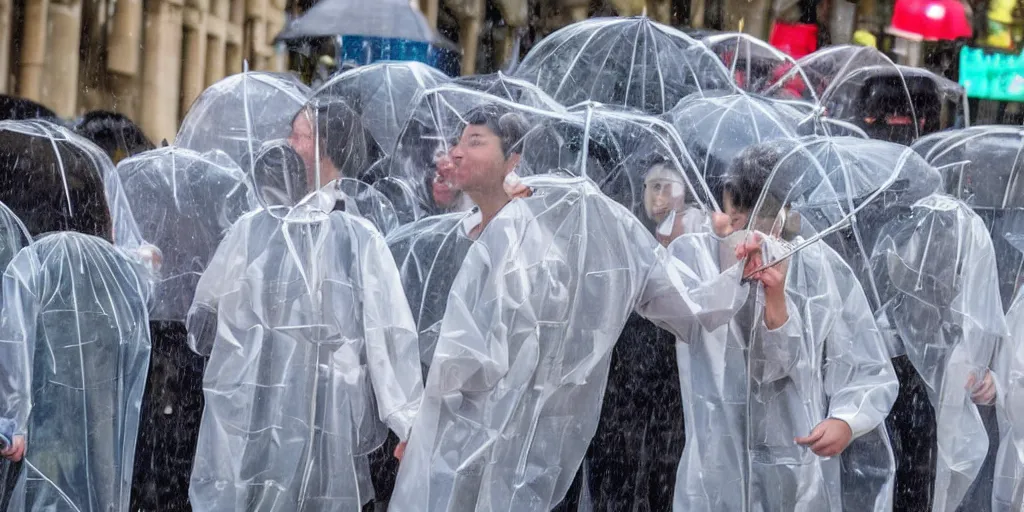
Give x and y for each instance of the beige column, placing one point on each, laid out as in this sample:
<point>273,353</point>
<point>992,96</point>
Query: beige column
<point>193,64</point>
<point>60,73</point>
<point>660,10</point>
<point>33,49</point>
<point>629,7</point>
<point>697,13</point>
<point>430,9</point>
<point>5,44</point>
<point>161,69</point>
<point>124,54</point>
<point>754,15</point>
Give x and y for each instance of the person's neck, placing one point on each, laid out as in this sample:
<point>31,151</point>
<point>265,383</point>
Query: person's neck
<point>490,203</point>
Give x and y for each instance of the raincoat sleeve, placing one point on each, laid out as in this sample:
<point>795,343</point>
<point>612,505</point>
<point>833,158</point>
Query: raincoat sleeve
<point>392,346</point>
<point>676,292</point>
<point>859,378</point>
<point>781,348</point>
<point>224,272</point>
<point>17,339</point>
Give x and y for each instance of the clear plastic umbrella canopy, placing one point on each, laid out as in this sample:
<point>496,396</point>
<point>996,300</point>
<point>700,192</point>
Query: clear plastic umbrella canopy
<point>510,88</point>
<point>842,190</point>
<point>74,340</point>
<point>756,65</point>
<point>382,94</point>
<point>716,128</point>
<point>860,85</point>
<point>49,151</point>
<point>183,202</point>
<point>237,114</point>
<point>941,302</point>
<point>982,166</point>
<point>629,62</point>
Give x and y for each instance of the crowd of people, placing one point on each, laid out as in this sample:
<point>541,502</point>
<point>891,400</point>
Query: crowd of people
<point>404,292</point>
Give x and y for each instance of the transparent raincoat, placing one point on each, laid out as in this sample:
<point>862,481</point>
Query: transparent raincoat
<point>183,202</point>
<point>941,308</point>
<point>750,391</point>
<point>74,333</point>
<point>627,62</point>
<point>1008,484</point>
<point>239,113</point>
<point>982,167</point>
<point>383,94</point>
<point>515,385</point>
<point>312,358</point>
<point>755,64</point>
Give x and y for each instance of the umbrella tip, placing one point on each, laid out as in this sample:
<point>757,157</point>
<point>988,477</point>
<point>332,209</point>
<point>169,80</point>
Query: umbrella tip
<point>643,13</point>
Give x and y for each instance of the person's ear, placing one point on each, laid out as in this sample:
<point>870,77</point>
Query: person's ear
<point>511,162</point>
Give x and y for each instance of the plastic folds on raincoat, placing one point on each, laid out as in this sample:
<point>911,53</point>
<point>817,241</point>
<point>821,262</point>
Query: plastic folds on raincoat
<point>74,354</point>
<point>312,351</point>
<point>429,254</point>
<point>748,391</point>
<point>940,295</point>
<point>513,395</point>
<point>183,202</point>
<point>1008,485</point>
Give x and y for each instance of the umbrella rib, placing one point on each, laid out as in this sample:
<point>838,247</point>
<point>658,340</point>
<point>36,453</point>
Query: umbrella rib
<point>575,60</point>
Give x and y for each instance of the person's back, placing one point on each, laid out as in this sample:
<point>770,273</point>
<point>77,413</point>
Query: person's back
<point>310,353</point>
<point>75,317</point>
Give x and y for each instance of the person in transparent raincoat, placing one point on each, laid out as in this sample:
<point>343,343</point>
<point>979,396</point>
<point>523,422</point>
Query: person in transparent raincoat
<point>312,357</point>
<point>771,404</point>
<point>74,337</point>
<point>13,236</point>
<point>1008,484</point>
<point>942,309</point>
<point>513,393</point>
<point>183,202</point>
<point>278,173</point>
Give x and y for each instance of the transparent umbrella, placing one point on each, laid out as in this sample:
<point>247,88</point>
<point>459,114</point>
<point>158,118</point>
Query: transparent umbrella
<point>510,88</point>
<point>982,167</point>
<point>755,65</point>
<point>630,62</point>
<point>240,112</point>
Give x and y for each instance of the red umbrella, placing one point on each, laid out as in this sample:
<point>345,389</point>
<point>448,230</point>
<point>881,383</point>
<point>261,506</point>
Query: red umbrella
<point>934,20</point>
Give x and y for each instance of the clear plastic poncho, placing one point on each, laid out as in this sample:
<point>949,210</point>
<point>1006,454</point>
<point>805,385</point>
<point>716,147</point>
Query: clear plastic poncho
<point>514,391</point>
<point>748,390</point>
<point>982,167</point>
<point>184,202</point>
<point>1008,483</point>
<point>239,113</point>
<point>510,88</point>
<point>755,64</point>
<point>942,309</point>
<point>312,358</point>
<point>382,94</point>
<point>628,62</point>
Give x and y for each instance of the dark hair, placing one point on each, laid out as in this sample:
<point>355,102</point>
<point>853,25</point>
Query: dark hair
<point>278,171</point>
<point>747,177</point>
<point>52,186</point>
<point>15,108</point>
<point>509,126</point>
<point>343,138</point>
<point>114,133</point>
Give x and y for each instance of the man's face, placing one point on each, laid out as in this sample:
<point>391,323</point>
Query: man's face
<point>738,219</point>
<point>478,161</point>
<point>302,141</point>
<point>663,195</point>
<point>444,194</point>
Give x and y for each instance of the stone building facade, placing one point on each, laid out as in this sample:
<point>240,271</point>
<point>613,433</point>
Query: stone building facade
<point>148,59</point>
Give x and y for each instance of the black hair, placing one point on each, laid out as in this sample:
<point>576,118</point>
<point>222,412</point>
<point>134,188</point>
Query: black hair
<point>278,173</point>
<point>52,187</point>
<point>343,138</point>
<point>114,133</point>
<point>509,126</point>
<point>15,108</point>
<point>747,177</point>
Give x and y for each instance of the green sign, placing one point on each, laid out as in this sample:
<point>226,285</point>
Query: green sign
<point>992,76</point>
